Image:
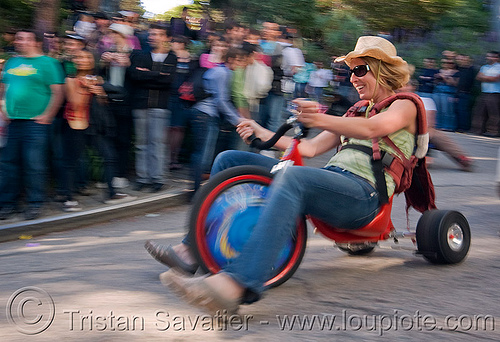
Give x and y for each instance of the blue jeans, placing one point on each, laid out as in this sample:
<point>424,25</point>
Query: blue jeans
<point>56,145</point>
<point>464,111</point>
<point>318,94</point>
<point>26,151</point>
<point>300,90</point>
<point>205,132</point>
<point>150,125</point>
<point>333,195</point>
<point>445,116</point>
<point>271,111</point>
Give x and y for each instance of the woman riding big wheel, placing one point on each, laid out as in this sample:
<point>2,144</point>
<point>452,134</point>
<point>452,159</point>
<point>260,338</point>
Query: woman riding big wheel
<point>342,194</point>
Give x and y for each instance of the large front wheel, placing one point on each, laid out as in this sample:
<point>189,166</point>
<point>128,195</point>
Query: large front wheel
<point>224,214</point>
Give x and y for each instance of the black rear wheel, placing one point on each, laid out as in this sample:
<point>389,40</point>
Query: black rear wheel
<point>357,248</point>
<point>443,236</point>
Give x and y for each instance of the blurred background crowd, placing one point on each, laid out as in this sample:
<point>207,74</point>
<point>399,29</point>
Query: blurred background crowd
<point>131,99</point>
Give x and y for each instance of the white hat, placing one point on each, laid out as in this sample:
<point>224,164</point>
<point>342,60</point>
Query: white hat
<point>122,29</point>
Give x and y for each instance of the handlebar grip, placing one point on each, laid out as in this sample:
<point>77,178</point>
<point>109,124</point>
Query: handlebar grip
<point>265,145</point>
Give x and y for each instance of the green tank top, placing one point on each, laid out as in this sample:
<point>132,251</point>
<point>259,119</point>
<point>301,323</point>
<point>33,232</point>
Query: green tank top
<point>359,162</point>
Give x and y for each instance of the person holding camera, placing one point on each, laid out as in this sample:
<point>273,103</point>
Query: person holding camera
<point>89,121</point>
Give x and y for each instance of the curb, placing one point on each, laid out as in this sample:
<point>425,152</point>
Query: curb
<point>85,218</point>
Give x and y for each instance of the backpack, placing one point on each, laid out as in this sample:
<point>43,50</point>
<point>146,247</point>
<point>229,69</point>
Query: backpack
<point>192,90</point>
<point>410,175</point>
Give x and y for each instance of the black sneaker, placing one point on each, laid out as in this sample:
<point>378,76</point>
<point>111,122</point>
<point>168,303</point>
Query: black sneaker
<point>7,212</point>
<point>119,198</point>
<point>32,213</point>
<point>156,187</point>
<point>139,186</point>
<point>84,192</point>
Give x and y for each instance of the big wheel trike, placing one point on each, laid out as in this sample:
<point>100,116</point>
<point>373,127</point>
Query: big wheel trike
<point>227,208</point>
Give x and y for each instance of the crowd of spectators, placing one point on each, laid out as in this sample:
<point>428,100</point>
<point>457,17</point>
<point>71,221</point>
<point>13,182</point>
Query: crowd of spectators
<point>452,85</point>
<point>150,98</point>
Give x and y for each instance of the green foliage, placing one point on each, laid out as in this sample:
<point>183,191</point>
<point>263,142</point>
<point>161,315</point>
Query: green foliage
<point>340,30</point>
<point>408,14</point>
<point>132,5</point>
<point>16,13</point>
<point>176,12</point>
<point>469,14</point>
<point>298,13</point>
<point>314,52</point>
<point>460,40</point>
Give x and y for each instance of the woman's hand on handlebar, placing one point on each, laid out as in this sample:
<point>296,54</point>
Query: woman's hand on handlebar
<point>246,128</point>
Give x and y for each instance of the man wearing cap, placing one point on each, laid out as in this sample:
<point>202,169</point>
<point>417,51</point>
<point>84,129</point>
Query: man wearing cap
<point>151,75</point>
<point>85,25</point>
<point>73,43</point>
<point>32,89</point>
<point>94,41</point>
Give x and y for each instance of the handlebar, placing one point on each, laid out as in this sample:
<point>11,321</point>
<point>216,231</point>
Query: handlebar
<point>301,131</point>
<point>265,145</point>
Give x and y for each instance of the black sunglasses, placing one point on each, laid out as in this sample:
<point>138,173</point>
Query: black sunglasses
<point>360,70</point>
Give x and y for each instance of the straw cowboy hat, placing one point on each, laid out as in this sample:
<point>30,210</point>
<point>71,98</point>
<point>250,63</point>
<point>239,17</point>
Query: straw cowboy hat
<point>376,47</point>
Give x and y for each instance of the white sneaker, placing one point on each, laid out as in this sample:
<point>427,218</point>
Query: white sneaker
<point>120,182</point>
<point>71,206</point>
<point>101,185</point>
<point>119,198</point>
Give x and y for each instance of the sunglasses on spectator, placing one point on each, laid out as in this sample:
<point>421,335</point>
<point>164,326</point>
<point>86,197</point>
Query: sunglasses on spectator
<point>360,70</point>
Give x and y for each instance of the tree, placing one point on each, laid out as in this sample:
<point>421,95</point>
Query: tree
<point>47,15</point>
<point>16,13</point>
<point>298,13</point>
<point>132,5</point>
<point>400,14</point>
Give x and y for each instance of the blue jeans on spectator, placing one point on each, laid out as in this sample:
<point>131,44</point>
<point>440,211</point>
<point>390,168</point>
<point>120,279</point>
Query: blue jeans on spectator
<point>445,103</point>
<point>318,94</point>
<point>74,147</point>
<point>150,144</point>
<point>56,145</point>
<point>106,148</point>
<point>205,132</point>
<point>300,90</point>
<point>24,160</point>
<point>333,195</point>
<point>271,111</point>
<point>464,113</point>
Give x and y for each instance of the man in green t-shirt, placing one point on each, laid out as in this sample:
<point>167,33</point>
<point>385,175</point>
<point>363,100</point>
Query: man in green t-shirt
<point>32,91</point>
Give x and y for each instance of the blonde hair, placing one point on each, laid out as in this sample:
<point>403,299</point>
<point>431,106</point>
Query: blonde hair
<point>389,76</point>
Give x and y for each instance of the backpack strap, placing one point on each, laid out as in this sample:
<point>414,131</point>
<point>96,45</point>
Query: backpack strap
<point>357,109</point>
<point>422,141</point>
<point>377,168</point>
<point>422,136</point>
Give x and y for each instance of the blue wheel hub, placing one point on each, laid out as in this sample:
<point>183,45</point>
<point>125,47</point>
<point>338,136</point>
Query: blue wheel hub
<point>231,219</point>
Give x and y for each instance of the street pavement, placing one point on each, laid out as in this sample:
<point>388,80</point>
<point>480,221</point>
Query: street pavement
<point>99,284</point>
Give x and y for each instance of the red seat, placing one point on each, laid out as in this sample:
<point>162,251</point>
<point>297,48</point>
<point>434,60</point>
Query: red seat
<point>378,229</point>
